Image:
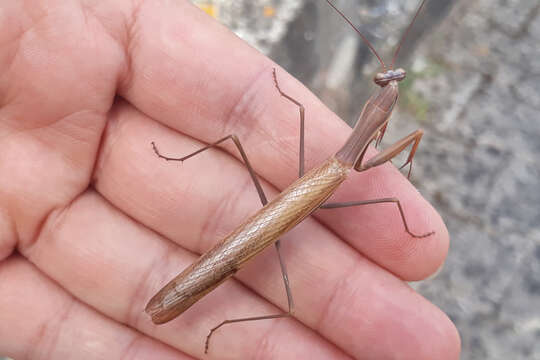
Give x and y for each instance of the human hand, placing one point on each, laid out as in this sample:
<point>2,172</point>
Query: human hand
<point>92,223</point>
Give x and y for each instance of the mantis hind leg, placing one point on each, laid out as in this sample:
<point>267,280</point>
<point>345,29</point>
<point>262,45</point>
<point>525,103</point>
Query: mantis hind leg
<point>264,201</point>
<point>290,301</point>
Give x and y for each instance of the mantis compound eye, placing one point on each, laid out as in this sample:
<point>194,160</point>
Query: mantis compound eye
<point>383,79</point>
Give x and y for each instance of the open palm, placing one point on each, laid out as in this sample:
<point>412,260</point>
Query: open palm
<point>92,223</point>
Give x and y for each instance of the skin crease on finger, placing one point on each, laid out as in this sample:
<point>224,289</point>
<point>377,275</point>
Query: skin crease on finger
<point>60,327</point>
<point>61,142</point>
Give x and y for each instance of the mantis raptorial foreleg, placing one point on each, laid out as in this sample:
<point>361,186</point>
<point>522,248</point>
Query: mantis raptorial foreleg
<point>379,159</point>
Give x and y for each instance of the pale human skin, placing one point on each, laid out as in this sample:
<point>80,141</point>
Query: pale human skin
<point>92,224</point>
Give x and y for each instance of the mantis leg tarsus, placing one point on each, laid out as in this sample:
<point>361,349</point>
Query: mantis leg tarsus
<point>379,201</point>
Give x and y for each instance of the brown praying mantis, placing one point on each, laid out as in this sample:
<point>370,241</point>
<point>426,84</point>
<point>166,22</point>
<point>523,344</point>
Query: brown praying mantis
<point>295,203</point>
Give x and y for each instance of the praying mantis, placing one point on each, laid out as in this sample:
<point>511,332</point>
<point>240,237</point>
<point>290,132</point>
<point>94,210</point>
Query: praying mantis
<point>295,203</point>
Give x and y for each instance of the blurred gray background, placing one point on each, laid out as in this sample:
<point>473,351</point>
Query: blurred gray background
<point>474,86</point>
